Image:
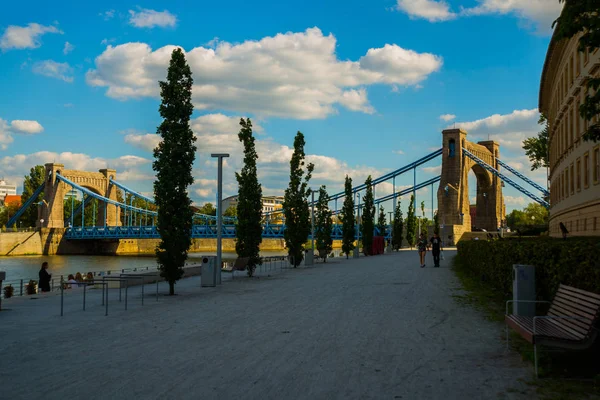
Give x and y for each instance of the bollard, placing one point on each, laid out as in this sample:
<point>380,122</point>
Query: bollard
<point>84,297</point>
<point>103,281</point>
<point>157,288</point>
<point>62,290</point>
<point>21,287</point>
<point>126,287</point>
<point>105,285</point>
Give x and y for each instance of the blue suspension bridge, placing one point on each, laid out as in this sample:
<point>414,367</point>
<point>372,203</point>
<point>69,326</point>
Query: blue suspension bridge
<point>140,222</point>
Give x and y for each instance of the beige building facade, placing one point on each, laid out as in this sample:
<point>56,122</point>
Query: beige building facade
<point>574,163</point>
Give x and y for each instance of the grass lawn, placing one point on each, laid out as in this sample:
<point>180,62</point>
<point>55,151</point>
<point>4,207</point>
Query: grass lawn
<point>563,375</point>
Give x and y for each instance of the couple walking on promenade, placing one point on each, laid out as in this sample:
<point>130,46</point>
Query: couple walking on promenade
<point>436,248</point>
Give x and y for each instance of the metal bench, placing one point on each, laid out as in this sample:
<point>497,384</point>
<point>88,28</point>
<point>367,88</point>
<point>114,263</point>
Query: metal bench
<point>240,264</point>
<point>569,323</point>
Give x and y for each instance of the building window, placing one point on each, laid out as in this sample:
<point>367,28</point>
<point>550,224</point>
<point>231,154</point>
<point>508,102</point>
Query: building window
<point>567,182</point>
<point>586,56</point>
<point>572,179</point>
<point>577,120</point>
<point>596,164</point>
<point>451,148</point>
<point>571,71</point>
<point>586,170</point>
<point>578,165</point>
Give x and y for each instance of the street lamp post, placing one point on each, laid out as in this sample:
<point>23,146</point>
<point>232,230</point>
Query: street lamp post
<point>312,220</point>
<point>356,251</point>
<point>220,157</point>
<point>311,256</point>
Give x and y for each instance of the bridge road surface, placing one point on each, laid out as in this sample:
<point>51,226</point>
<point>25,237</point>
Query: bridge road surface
<point>373,328</point>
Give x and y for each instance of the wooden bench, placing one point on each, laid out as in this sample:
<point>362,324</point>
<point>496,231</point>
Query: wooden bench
<point>240,264</point>
<point>569,323</point>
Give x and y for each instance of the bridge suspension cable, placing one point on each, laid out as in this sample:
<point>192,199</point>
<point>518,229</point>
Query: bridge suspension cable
<point>505,179</point>
<point>380,179</point>
<point>24,207</point>
<point>104,199</point>
<point>526,179</point>
<point>400,193</point>
<point>151,201</point>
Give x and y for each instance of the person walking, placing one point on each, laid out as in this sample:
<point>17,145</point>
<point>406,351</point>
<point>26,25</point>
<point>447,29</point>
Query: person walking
<point>436,248</point>
<point>44,283</point>
<point>422,247</point>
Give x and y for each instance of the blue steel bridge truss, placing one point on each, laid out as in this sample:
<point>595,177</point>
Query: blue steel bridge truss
<point>494,171</point>
<point>204,225</point>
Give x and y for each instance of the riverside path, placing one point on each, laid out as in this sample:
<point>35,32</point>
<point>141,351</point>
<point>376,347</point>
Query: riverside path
<point>373,328</point>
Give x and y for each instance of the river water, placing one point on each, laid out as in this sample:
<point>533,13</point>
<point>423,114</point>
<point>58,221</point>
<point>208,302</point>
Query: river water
<point>27,267</point>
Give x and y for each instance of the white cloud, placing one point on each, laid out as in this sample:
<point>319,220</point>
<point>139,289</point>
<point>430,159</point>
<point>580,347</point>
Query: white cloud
<point>447,117</point>
<point>107,14</point>
<point>537,13</point>
<point>508,129</point>
<point>145,18</point>
<point>218,133</point>
<point>25,37</point>
<point>436,170</point>
<point>5,136</point>
<point>295,75</point>
<point>106,41</point>
<point>53,69</point>
<point>147,141</point>
<point>516,201</point>
<point>213,42</point>
<point>19,164</point>
<point>26,126</point>
<point>15,127</point>
<point>399,152</point>
<point>540,13</point>
<point>68,48</point>
<point>431,10</point>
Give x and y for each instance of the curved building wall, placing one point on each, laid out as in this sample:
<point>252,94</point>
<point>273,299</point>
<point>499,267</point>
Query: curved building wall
<point>574,164</point>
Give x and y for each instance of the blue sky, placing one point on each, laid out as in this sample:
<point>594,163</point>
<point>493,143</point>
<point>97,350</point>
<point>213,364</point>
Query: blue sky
<point>367,84</point>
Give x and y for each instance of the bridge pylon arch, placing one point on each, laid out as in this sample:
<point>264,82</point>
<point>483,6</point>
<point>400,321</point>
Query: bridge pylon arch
<point>51,209</point>
<point>453,193</point>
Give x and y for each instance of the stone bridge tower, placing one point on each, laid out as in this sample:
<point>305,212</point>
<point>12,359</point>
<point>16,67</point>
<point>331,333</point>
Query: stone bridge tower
<point>51,210</point>
<point>453,193</point>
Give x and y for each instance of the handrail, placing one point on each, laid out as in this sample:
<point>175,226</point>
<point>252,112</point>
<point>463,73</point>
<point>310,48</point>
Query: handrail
<point>383,178</point>
<point>29,201</point>
<point>152,201</point>
<point>526,179</point>
<point>504,178</point>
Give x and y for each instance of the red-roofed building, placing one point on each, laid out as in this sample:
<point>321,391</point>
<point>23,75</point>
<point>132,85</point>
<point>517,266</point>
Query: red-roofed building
<point>12,199</point>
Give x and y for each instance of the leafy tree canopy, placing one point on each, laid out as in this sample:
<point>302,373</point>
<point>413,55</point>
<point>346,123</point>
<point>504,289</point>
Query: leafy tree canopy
<point>583,17</point>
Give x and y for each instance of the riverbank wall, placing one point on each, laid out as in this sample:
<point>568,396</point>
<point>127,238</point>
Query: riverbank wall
<point>51,241</point>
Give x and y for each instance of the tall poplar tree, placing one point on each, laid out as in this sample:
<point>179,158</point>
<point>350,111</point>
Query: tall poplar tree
<point>381,222</point>
<point>436,223</point>
<point>174,157</point>
<point>295,203</point>
<point>348,219</point>
<point>249,207</point>
<point>324,225</point>
<point>30,185</point>
<point>411,223</point>
<point>398,227</point>
<point>368,217</point>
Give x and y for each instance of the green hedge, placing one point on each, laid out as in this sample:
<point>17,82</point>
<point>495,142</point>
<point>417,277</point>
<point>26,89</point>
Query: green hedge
<point>574,262</point>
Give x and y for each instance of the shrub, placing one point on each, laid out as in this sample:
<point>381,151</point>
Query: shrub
<point>8,291</point>
<point>32,287</point>
<point>572,262</point>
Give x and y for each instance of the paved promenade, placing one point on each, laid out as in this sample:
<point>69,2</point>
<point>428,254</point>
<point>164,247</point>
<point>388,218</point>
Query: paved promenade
<point>373,328</point>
